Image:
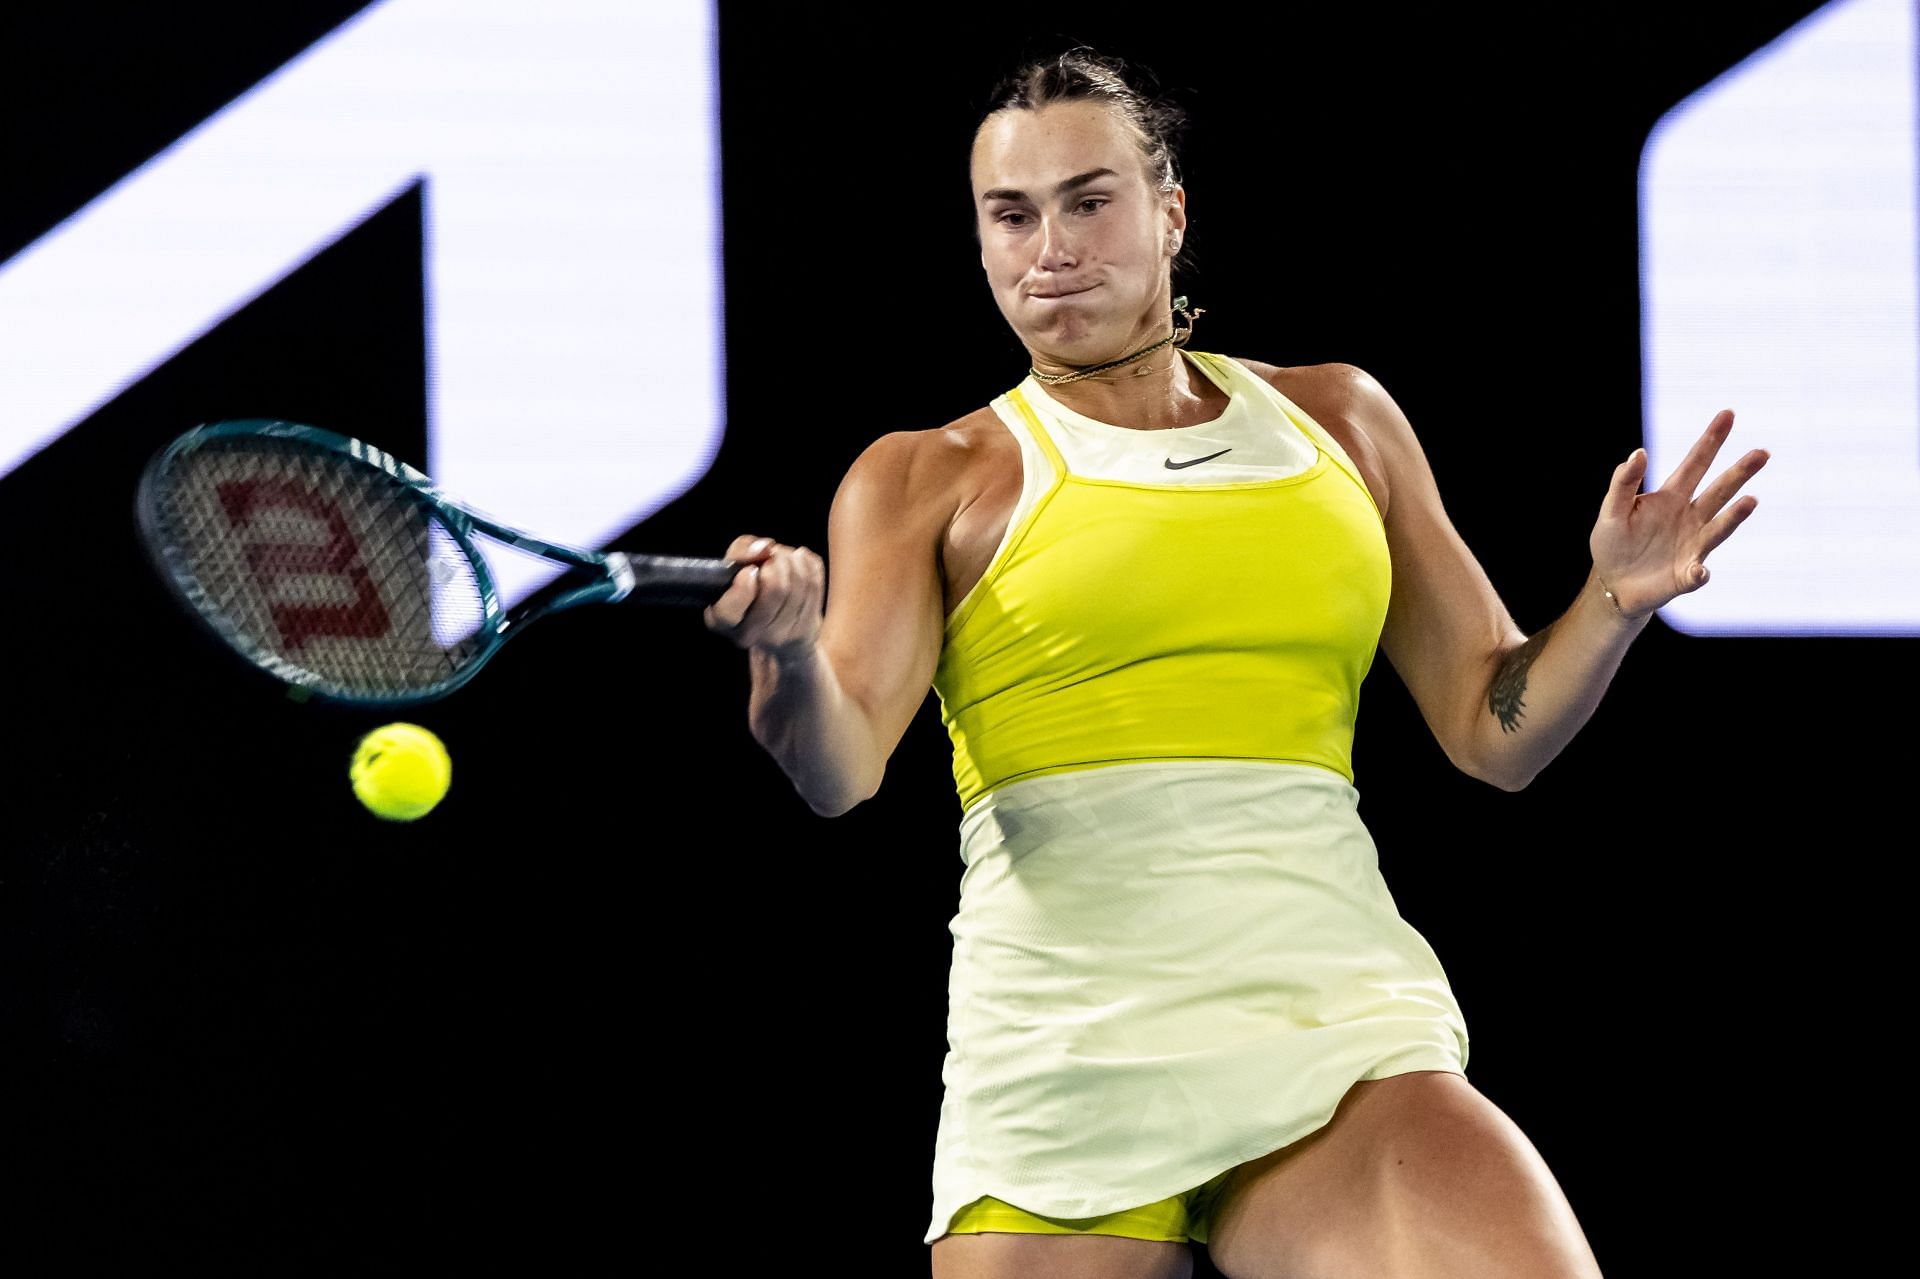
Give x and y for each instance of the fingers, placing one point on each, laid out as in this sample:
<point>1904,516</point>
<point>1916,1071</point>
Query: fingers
<point>776,600</point>
<point>1694,465</point>
<point>796,578</point>
<point>1721,528</point>
<point>785,589</point>
<point>1721,491</point>
<point>1625,486</point>
<point>749,549</point>
<point>814,571</point>
<point>728,611</point>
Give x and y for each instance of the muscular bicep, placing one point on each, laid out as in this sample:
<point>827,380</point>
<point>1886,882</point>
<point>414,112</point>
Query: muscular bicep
<point>1446,627</point>
<point>885,609</point>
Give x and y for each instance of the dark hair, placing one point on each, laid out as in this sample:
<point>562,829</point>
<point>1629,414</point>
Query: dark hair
<point>1081,74</point>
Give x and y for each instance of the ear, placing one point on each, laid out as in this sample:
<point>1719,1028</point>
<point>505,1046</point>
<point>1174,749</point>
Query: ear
<point>1176,218</point>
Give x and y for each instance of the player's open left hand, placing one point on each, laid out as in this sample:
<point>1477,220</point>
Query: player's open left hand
<point>1650,547</point>
<point>775,602</point>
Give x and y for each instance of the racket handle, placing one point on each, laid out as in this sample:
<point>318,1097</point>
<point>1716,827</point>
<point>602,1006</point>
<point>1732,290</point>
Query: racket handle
<point>671,579</point>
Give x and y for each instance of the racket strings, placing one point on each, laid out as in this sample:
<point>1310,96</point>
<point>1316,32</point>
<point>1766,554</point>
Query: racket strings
<point>322,566</point>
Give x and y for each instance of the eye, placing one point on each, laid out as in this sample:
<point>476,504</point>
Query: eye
<point>1094,201</point>
<point>1003,218</point>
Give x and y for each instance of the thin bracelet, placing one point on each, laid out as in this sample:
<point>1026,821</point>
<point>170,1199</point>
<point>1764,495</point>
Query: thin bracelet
<point>1612,599</point>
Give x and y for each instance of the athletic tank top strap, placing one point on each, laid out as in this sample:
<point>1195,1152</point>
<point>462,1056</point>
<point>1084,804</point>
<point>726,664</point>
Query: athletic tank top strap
<point>1294,413</point>
<point>1031,420</point>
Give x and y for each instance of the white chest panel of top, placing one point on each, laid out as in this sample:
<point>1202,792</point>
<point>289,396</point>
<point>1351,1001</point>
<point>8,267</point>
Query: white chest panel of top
<point>1252,440</point>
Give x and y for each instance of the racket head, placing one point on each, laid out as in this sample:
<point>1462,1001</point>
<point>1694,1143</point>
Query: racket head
<point>322,560</point>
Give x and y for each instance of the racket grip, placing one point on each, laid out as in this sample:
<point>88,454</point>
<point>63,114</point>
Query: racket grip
<point>670,579</point>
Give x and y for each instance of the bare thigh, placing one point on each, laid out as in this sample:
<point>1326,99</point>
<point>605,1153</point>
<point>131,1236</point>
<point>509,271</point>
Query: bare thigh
<point>1007,1255</point>
<point>1416,1176</point>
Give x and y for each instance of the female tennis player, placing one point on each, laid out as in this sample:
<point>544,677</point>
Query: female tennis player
<point>1146,584</point>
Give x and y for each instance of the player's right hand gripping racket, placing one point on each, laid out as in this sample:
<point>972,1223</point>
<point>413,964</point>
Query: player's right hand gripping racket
<point>347,574</point>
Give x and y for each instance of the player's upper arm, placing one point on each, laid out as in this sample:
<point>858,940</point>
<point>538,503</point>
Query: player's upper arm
<point>1446,628</point>
<point>885,611</point>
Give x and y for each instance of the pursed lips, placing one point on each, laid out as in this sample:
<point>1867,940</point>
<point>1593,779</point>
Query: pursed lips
<point>1068,294</point>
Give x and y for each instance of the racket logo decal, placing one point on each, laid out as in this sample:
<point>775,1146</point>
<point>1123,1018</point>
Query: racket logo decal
<point>348,575</point>
<point>297,577</point>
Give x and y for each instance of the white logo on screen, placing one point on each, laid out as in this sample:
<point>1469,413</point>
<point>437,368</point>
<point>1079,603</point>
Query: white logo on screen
<point>568,158</point>
<point>1779,279</point>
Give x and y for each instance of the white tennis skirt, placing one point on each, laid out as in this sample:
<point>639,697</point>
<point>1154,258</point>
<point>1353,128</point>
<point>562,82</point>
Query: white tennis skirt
<point>1163,970</point>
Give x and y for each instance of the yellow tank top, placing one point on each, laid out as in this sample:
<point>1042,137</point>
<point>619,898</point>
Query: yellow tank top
<point>1124,621</point>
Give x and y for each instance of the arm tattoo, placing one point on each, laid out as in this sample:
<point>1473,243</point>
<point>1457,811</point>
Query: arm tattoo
<point>1504,699</point>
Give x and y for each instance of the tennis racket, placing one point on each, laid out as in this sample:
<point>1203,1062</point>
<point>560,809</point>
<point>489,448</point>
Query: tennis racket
<point>345,573</point>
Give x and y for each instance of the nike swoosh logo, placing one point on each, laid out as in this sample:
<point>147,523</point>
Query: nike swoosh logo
<point>1181,466</point>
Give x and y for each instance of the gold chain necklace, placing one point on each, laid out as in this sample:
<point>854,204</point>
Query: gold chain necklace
<point>1177,337</point>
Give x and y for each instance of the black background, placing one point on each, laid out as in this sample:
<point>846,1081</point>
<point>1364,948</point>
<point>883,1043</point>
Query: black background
<point>622,995</point>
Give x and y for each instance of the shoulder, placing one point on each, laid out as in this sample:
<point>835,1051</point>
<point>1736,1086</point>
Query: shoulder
<point>1350,405</point>
<point>1338,396</point>
<point>922,474</point>
<point>919,461</point>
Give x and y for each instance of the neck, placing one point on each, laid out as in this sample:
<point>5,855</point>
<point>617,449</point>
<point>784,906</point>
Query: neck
<point>1151,394</point>
<point>1149,389</point>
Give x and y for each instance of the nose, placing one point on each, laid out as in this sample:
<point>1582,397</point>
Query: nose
<point>1057,248</point>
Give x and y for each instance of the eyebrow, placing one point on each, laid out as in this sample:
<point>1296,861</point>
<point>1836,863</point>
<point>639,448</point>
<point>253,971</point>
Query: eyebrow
<point>1071,184</point>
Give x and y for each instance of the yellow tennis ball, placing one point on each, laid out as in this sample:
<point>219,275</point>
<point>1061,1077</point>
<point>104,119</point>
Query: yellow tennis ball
<point>400,771</point>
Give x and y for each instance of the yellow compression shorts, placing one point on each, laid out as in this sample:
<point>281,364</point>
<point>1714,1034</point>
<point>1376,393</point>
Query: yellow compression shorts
<point>1178,1218</point>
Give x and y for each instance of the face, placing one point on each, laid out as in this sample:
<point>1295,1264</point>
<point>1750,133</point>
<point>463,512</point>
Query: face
<point>1076,243</point>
